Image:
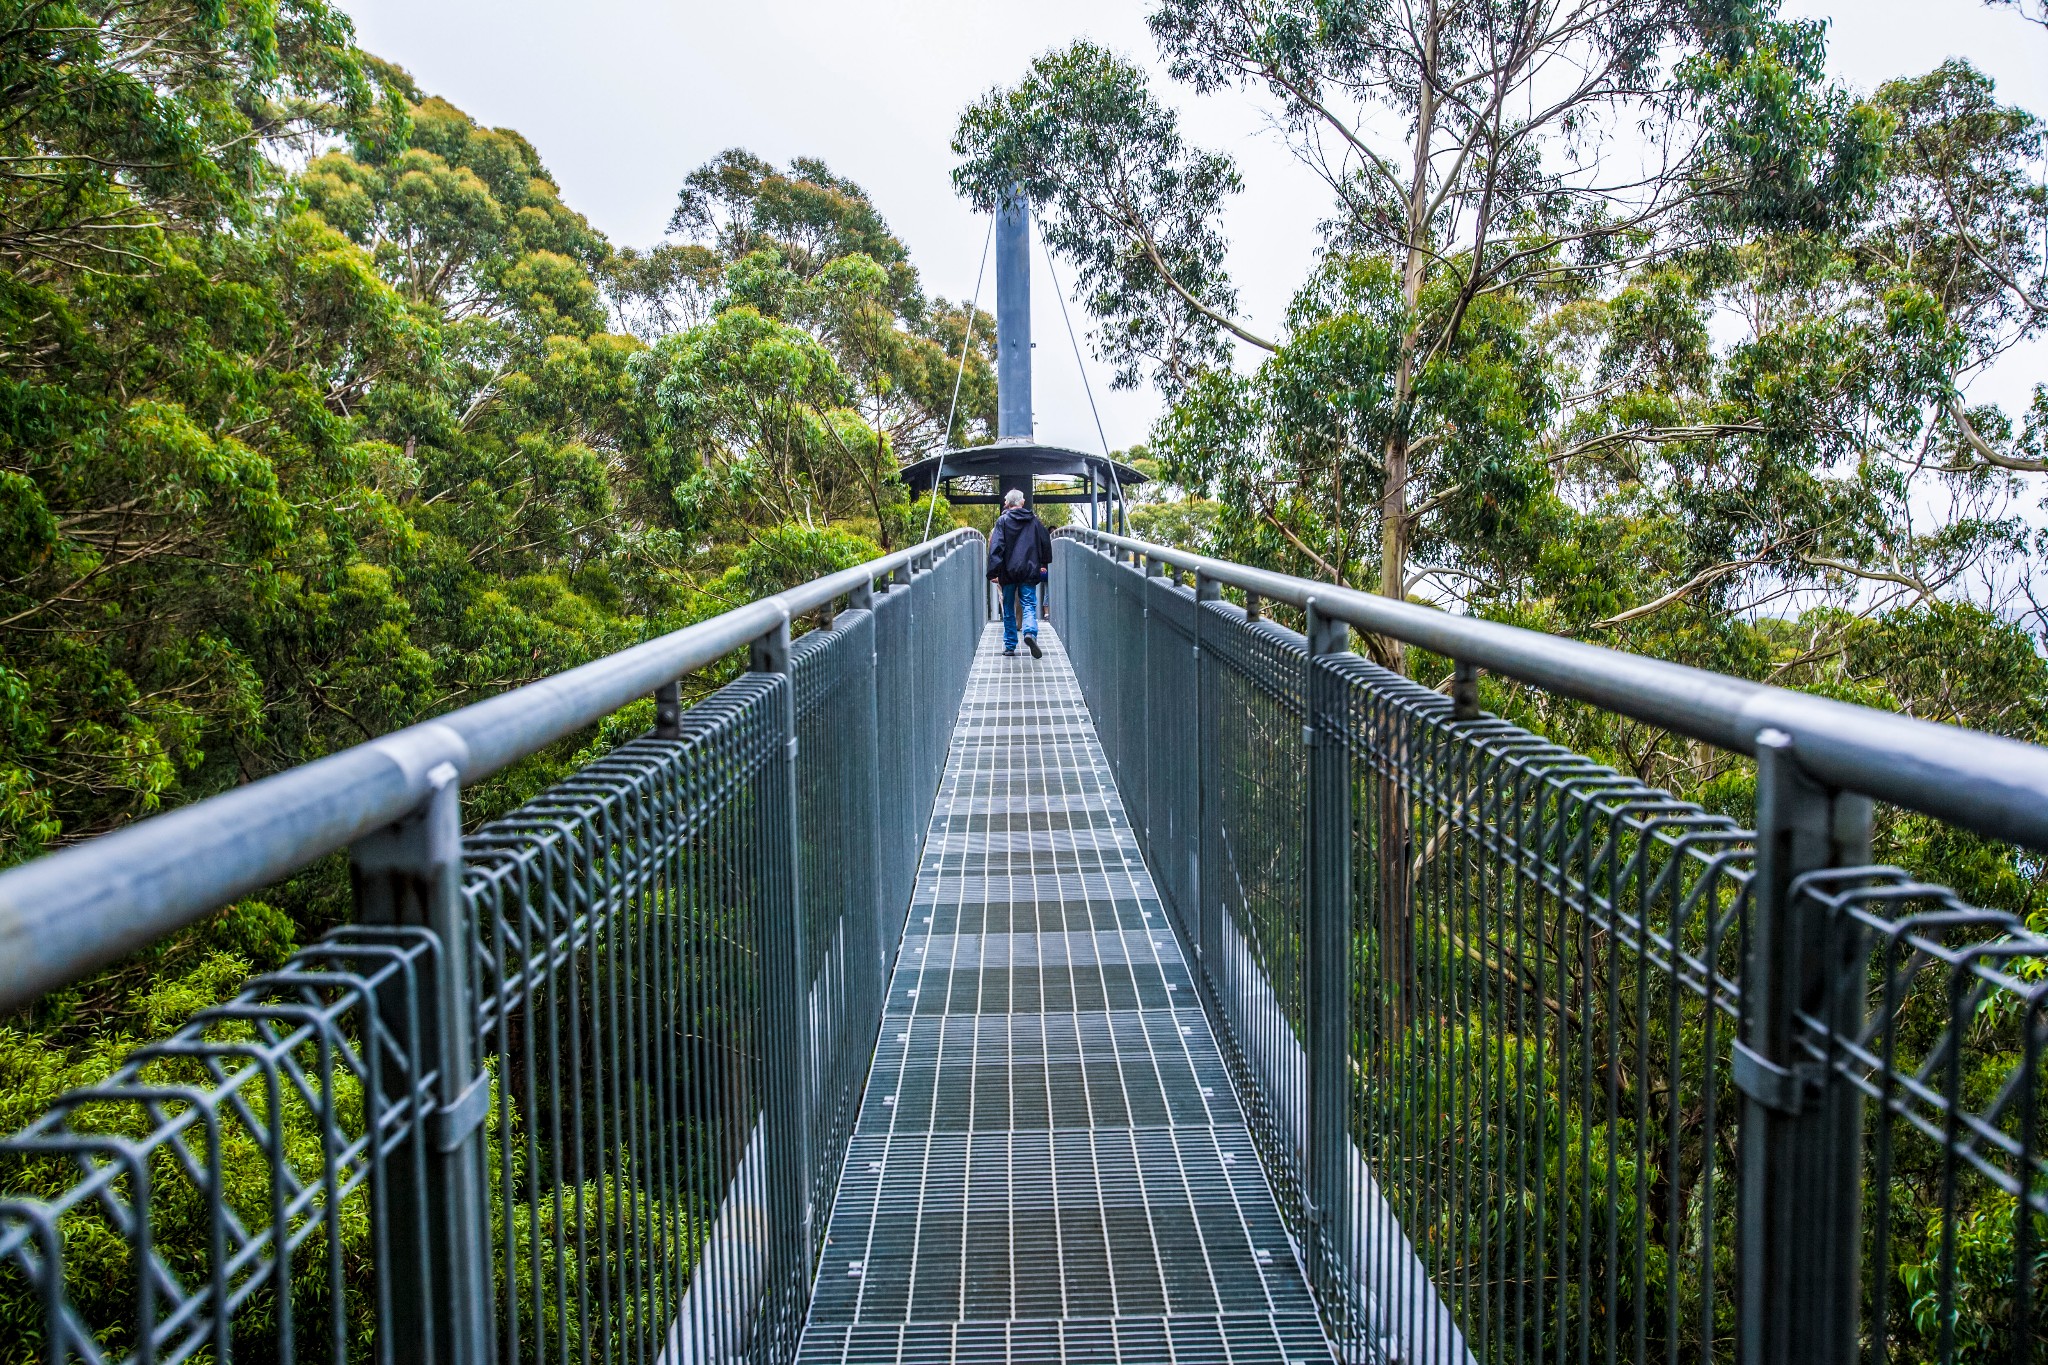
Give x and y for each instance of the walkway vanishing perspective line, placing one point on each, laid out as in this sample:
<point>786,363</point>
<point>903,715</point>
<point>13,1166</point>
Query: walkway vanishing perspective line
<point>1049,1163</point>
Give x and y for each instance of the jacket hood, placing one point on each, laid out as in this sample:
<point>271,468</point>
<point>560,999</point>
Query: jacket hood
<point>1017,514</point>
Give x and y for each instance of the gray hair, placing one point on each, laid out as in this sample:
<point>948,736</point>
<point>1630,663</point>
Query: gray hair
<point>1014,498</point>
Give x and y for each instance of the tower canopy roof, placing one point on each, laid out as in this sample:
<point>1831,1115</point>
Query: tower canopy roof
<point>1021,457</point>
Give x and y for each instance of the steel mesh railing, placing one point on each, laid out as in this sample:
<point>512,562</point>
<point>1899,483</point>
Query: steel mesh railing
<point>1543,1063</point>
<point>607,1125</point>
<point>622,921</point>
<point>1547,971</point>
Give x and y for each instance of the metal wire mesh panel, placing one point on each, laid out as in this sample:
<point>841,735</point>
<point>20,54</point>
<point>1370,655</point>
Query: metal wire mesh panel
<point>1253,921</point>
<point>144,1214</point>
<point>628,923</point>
<point>1543,989</point>
<point>896,684</point>
<point>1170,713</point>
<point>604,1128</point>
<point>838,818</point>
<point>1488,1006</point>
<point>1936,1019</point>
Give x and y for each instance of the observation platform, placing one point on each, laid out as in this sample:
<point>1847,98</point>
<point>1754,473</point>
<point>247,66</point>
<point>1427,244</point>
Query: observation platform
<point>1048,1163</point>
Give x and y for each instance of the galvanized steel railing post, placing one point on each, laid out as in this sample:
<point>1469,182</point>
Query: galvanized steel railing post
<point>1204,929</point>
<point>862,598</point>
<point>668,711</point>
<point>1464,691</point>
<point>1801,1202</point>
<point>439,1273</point>
<point>791,1068</point>
<point>1326,935</point>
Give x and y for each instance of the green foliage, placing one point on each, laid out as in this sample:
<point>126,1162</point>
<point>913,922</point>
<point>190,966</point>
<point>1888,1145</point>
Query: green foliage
<point>1784,150</point>
<point>293,458</point>
<point>324,454</point>
<point>124,116</point>
<point>1296,451</point>
<point>1708,405</point>
<point>281,486</point>
<point>322,414</point>
<point>807,250</point>
<point>1119,193</point>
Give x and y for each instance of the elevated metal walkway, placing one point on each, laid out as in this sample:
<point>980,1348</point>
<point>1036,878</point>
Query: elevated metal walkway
<point>1048,1162</point>
<point>1532,1059</point>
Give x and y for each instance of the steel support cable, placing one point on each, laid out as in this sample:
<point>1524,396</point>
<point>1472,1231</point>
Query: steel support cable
<point>966,345</point>
<point>1060,292</point>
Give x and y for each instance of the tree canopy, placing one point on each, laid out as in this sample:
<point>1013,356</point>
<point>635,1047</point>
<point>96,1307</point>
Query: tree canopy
<point>1628,323</point>
<point>321,412</point>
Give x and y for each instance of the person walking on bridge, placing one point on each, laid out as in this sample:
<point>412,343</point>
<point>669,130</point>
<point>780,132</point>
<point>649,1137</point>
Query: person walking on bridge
<point>1019,557</point>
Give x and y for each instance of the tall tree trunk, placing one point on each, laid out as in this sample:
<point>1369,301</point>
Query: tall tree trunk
<point>1395,835</point>
<point>1394,521</point>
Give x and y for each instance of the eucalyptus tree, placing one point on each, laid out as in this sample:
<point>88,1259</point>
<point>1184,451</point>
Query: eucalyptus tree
<point>2034,11</point>
<point>118,117</point>
<point>1119,193</point>
<point>1817,449</point>
<point>797,263</point>
<point>737,203</point>
<point>1487,150</point>
<point>281,474</point>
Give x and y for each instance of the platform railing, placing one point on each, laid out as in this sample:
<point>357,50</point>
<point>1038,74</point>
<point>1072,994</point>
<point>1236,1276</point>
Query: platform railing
<point>575,1085</point>
<point>1544,1063</point>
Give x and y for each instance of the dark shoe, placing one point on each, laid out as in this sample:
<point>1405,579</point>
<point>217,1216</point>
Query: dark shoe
<point>1031,643</point>
<point>1009,654</point>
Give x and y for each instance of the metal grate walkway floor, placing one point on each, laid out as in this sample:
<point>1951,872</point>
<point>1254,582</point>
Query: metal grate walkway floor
<point>1049,1164</point>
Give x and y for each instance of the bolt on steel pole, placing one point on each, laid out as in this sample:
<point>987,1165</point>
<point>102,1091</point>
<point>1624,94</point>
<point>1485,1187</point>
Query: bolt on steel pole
<point>1801,1195</point>
<point>410,873</point>
<point>668,711</point>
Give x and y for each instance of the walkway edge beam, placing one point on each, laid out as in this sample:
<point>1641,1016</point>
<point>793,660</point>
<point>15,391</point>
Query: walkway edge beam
<point>1992,786</point>
<point>82,907</point>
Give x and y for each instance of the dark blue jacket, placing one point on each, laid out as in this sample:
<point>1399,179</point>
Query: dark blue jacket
<point>1020,550</point>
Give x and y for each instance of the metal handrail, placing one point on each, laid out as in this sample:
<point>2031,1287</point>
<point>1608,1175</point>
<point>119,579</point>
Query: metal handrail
<point>1992,786</point>
<point>77,909</point>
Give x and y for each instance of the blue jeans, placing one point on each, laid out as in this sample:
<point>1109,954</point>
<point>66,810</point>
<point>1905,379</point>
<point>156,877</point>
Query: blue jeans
<point>1016,597</point>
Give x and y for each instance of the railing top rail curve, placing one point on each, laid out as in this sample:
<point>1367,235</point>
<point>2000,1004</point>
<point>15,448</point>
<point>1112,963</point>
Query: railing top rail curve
<point>1992,786</point>
<point>82,907</point>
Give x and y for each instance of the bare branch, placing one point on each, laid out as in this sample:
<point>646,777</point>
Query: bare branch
<point>1983,449</point>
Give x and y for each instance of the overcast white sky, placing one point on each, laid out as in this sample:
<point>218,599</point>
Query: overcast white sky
<point>625,97</point>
